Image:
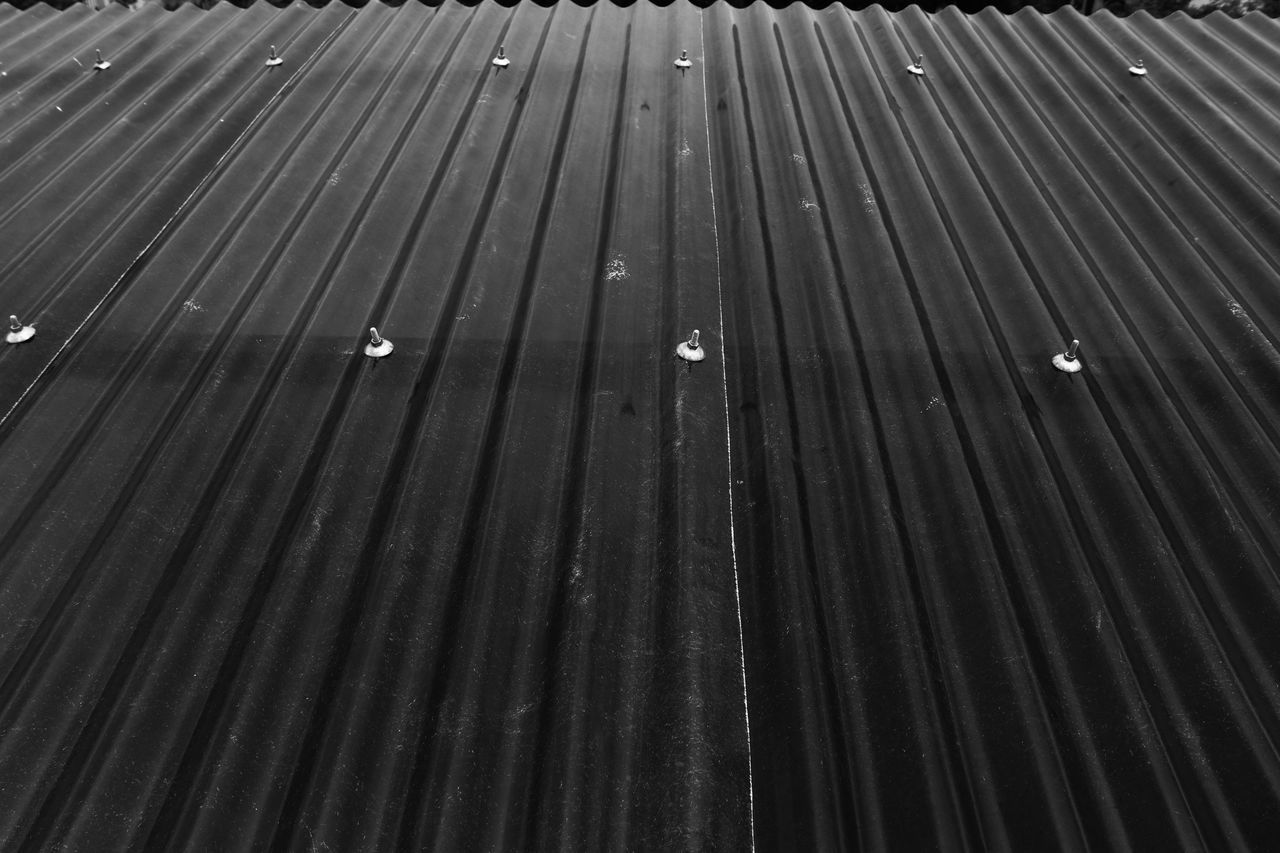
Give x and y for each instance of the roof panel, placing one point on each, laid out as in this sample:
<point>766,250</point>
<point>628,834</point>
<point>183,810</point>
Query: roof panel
<point>1005,221</point>
<point>873,574</point>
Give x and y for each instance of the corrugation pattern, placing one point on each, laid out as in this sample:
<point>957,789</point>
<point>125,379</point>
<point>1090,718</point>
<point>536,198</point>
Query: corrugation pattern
<point>259,590</point>
<point>266,592</point>
<point>990,604</point>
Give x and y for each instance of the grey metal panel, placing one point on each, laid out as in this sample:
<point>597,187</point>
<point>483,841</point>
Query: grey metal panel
<point>873,574</point>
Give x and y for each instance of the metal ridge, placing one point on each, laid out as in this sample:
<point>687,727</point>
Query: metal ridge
<point>952,525</point>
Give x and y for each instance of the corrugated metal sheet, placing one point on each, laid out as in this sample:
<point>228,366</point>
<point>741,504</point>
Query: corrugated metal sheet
<point>874,574</point>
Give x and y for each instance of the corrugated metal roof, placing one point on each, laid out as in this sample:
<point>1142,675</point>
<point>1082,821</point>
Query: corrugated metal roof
<point>873,574</point>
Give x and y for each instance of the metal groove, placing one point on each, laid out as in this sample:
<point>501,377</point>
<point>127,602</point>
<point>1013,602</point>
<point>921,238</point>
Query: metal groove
<point>502,588</point>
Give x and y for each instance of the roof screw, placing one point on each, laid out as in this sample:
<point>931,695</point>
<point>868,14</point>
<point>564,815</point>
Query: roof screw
<point>378,346</point>
<point>683,62</point>
<point>1138,69</point>
<point>1067,361</point>
<point>18,332</point>
<point>501,59</point>
<point>273,60</point>
<point>917,68</point>
<point>690,350</point>
<point>101,64</point>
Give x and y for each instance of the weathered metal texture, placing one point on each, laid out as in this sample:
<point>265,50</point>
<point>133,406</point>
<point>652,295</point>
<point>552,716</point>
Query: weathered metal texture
<point>872,574</point>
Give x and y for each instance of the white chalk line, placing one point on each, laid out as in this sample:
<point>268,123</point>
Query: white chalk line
<point>169,222</point>
<point>724,379</point>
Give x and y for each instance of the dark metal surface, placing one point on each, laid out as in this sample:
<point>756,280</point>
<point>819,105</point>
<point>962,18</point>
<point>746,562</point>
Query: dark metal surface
<point>873,574</point>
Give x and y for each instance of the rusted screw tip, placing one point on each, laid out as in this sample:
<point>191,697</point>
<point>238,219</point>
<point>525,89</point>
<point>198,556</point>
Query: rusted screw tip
<point>14,325</point>
<point>693,340</point>
<point>1071,350</point>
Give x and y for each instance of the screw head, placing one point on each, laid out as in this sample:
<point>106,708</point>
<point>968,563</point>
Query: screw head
<point>690,350</point>
<point>18,332</point>
<point>378,346</point>
<point>1067,361</point>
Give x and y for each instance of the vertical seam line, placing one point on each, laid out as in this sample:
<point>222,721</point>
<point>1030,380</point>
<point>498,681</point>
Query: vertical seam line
<point>728,438</point>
